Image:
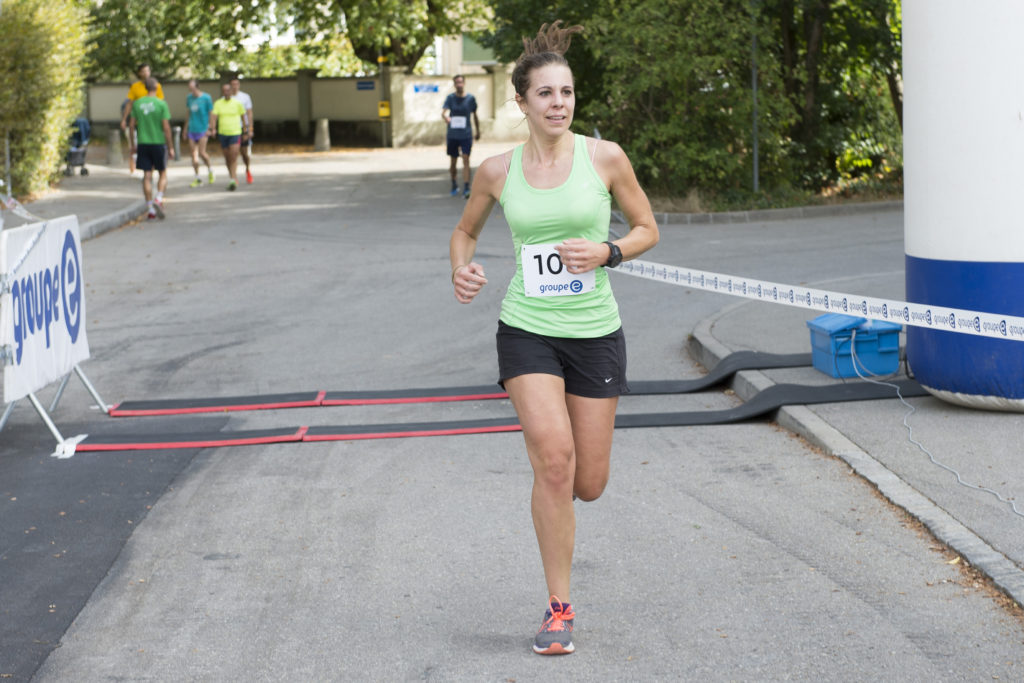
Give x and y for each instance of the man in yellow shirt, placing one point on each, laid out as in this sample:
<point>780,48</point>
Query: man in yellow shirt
<point>137,90</point>
<point>226,120</point>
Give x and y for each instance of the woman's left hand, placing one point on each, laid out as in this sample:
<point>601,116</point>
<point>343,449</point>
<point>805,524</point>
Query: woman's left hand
<point>579,255</point>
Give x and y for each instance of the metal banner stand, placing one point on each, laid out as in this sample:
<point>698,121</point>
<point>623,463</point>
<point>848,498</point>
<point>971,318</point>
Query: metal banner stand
<point>45,415</point>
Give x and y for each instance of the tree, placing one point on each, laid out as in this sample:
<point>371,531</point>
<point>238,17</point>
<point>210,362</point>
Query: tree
<point>400,31</point>
<point>681,103</point>
<point>857,44</point>
<point>42,49</point>
<point>670,81</point>
<point>201,36</point>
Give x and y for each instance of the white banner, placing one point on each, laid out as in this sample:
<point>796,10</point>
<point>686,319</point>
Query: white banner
<point>42,304</point>
<point>919,315</point>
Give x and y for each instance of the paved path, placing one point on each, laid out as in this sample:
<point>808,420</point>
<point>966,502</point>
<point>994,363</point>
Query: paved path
<point>718,553</point>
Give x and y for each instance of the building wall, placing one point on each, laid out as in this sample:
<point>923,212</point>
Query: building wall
<point>415,102</point>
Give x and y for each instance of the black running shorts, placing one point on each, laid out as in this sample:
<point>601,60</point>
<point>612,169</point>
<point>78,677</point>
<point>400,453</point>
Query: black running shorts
<point>151,157</point>
<point>592,368</point>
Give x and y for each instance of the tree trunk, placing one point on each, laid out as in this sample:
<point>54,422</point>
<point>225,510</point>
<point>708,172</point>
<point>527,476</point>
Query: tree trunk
<point>895,81</point>
<point>814,18</point>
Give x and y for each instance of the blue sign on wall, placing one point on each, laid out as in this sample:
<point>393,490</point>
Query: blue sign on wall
<point>425,87</point>
<point>365,85</point>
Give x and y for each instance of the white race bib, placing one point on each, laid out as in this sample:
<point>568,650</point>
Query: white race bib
<point>458,122</point>
<point>544,274</point>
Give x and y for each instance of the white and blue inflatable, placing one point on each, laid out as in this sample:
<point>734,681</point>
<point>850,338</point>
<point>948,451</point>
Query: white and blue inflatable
<point>963,144</point>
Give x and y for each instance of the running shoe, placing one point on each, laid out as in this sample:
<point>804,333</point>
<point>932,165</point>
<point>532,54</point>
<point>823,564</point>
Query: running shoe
<point>151,216</point>
<point>465,193</point>
<point>555,634</point>
<point>211,177</point>
<point>248,177</point>
<point>232,186</point>
<point>195,183</point>
<point>158,208</point>
<point>455,192</point>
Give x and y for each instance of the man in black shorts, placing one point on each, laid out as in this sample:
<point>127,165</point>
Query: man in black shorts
<point>150,126</point>
<point>459,113</point>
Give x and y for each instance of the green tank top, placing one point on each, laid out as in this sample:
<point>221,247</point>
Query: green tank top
<point>580,207</point>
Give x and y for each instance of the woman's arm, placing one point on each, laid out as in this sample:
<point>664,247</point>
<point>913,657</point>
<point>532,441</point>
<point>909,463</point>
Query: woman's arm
<point>643,230</point>
<point>467,276</point>
<point>612,164</point>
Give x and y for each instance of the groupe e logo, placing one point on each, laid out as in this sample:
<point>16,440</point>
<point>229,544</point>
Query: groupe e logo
<point>40,299</point>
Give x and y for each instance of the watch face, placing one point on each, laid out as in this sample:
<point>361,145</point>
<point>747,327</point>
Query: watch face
<point>615,257</point>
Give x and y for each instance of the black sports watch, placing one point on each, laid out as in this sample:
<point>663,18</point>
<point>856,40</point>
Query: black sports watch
<point>615,257</point>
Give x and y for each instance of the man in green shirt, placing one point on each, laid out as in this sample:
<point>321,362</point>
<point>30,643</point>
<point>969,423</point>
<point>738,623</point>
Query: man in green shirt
<point>226,121</point>
<point>151,136</point>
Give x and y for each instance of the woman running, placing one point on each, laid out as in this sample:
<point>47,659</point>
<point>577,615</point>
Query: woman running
<point>561,349</point>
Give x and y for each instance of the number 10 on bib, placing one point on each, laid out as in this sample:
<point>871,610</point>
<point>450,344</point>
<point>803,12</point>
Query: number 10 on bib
<point>544,274</point>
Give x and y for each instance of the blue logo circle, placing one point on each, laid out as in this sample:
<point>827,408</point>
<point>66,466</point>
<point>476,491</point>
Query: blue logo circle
<point>576,286</point>
<point>71,286</point>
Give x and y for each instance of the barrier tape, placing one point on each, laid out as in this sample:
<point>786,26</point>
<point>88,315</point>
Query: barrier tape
<point>892,310</point>
<point>13,205</point>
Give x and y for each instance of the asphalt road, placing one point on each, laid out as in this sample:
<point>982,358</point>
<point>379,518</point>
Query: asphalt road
<point>717,553</point>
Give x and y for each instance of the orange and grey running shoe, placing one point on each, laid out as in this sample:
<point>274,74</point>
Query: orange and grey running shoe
<point>555,634</point>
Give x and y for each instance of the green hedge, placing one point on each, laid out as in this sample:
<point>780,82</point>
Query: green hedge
<point>42,48</point>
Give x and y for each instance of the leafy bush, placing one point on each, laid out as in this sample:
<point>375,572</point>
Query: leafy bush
<point>42,47</point>
<point>680,101</point>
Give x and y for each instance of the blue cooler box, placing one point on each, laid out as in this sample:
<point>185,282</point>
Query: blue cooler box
<point>877,345</point>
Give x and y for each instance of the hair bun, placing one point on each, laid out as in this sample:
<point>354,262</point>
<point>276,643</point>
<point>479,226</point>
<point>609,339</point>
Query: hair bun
<point>551,38</point>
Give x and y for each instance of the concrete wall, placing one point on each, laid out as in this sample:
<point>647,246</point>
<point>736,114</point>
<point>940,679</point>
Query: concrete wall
<point>297,102</point>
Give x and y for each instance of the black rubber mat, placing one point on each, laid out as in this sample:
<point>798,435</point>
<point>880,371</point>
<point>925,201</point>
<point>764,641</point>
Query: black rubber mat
<point>730,365</point>
<point>723,371</point>
<point>183,406</point>
<point>763,403</point>
<point>141,442</point>
<point>770,400</point>
<point>412,429</point>
<point>434,395</point>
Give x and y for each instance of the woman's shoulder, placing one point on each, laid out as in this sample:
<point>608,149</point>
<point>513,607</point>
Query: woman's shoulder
<point>497,166</point>
<point>607,155</point>
<point>602,147</point>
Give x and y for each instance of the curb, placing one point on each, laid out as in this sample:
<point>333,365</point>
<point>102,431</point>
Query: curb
<point>98,226</point>
<point>804,422</point>
<point>776,214</point>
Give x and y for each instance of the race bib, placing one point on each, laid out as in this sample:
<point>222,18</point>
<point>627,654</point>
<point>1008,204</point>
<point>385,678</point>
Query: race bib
<point>544,274</point>
<point>458,122</point>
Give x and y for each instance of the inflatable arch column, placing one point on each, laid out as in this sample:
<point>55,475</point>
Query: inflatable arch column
<point>963,147</point>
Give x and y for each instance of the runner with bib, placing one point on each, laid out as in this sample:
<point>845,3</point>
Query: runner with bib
<point>561,348</point>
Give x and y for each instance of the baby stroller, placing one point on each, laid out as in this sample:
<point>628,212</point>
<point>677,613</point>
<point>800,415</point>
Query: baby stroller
<point>79,143</point>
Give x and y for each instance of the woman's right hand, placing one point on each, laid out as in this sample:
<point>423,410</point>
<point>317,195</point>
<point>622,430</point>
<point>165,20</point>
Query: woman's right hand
<point>468,280</point>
